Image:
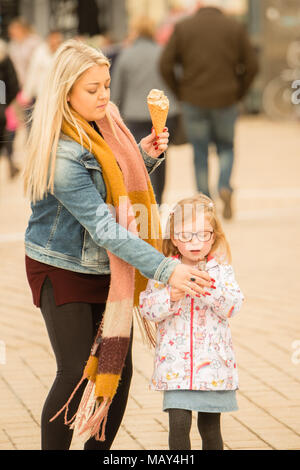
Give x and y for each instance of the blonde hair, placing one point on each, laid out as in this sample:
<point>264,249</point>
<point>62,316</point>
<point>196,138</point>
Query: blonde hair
<point>220,248</point>
<point>71,60</point>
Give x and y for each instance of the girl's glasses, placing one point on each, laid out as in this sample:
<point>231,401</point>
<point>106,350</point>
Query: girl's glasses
<point>188,236</point>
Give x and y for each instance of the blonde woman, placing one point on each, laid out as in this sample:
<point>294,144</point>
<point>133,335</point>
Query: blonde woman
<point>195,363</point>
<point>85,258</point>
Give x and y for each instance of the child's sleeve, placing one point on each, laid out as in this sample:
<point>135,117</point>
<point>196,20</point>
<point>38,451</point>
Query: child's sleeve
<point>226,299</point>
<point>155,303</point>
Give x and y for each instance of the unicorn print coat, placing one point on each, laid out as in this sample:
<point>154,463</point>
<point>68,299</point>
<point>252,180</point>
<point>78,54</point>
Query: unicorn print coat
<point>194,348</point>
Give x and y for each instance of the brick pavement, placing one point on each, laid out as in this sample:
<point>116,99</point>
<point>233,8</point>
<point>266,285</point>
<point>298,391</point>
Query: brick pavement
<point>265,244</point>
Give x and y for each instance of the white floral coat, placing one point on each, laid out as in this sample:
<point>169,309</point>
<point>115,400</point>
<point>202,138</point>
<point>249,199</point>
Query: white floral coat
<point>194,347</point>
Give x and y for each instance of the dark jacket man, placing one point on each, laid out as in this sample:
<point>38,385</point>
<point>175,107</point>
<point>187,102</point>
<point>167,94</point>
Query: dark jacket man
<point>218,62</point>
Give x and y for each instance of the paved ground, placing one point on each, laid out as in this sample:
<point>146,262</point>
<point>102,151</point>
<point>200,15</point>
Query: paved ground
<point>265,242</point>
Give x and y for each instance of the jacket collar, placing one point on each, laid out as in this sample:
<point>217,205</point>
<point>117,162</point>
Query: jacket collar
<point>211,261</point>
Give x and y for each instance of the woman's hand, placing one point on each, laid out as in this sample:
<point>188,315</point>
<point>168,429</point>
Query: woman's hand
<point>155,145</point>
<point>181,277</point>
<point>176,294</point>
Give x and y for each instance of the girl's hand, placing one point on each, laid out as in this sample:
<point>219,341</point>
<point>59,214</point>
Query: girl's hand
<point>181,280</point>
<point>155,145</point>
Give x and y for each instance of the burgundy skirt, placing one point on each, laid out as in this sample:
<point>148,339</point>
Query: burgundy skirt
<point>68,286</point>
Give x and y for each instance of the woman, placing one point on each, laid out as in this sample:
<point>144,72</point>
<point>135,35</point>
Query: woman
<point>23,42</point>
<point>85,260</point>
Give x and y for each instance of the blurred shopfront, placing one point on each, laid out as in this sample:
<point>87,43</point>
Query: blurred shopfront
<point>72,17</point>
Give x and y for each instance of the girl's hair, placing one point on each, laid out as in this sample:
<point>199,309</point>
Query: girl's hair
<point>186,210</point>
<point>71,60</point>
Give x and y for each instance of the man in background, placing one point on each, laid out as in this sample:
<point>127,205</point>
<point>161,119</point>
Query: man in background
<point>210,64</point>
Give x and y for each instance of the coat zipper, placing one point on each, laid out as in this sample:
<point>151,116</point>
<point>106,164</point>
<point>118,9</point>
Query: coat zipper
<point>191,343</point>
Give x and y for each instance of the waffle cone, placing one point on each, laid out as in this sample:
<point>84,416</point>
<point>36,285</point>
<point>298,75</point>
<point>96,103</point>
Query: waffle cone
<point>158,117</point>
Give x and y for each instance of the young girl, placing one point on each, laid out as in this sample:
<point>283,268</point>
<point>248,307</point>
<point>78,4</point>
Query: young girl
<point>195,364</point>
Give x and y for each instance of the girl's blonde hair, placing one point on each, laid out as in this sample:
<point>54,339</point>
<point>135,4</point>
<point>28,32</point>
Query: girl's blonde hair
<point>71,60</point>
<point>189,208</point>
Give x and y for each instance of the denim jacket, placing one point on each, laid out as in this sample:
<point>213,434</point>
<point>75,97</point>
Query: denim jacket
<point>73,228</point>
<point>194,349</point>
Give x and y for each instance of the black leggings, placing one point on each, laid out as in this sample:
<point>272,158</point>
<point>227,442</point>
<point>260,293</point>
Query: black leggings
<point>72,328</point>
<point>180,426</point>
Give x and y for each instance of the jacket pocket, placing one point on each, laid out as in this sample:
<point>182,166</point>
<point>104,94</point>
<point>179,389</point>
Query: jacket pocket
<point>93,254</point>
<point>90,162</point>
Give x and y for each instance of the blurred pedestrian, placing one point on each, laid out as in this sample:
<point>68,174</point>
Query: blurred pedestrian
<point>23,41</point>
<point>177,11</point>
<point>9,88</point>
<point>195,364</point>
<point>111,48</point>
<point>22,45</point>
<point>39,65</point>
<point>86,259</point>
<point>218,65</point>
<point>135,73</point>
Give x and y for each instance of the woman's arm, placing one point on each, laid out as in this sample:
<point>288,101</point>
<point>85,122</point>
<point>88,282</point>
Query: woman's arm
<point>74,188</point>
<point>151,163</point>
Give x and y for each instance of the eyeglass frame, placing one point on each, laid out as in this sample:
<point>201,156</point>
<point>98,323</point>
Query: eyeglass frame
<point>192,236</point>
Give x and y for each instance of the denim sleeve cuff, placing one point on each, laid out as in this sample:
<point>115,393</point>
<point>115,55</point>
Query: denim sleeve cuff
<point>165,269</point>
<point>151,162</point>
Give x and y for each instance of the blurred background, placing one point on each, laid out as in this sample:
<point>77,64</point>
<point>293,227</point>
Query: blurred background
<point>273,25</point>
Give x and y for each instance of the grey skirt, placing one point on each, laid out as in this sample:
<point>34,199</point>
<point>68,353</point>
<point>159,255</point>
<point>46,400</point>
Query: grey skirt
<point>218,401</point>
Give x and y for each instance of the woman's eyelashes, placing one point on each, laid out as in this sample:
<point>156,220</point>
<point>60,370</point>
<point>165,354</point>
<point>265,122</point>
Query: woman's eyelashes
<point>93,92</point>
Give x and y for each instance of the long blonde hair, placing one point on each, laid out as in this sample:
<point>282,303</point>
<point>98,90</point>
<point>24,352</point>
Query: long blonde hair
<point>71,60</point>
<point>220,249</point>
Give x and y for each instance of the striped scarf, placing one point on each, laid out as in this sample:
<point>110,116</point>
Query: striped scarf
<point>127,182</point>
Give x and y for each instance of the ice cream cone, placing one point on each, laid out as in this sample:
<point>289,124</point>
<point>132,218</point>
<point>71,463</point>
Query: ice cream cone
<point>158,117</point>
<point>158,105</point>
